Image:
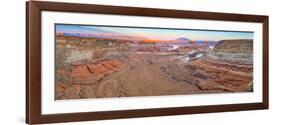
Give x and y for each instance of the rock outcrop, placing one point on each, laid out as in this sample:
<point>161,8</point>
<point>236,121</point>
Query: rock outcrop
<point>233,51</point>
<point>228,66</point>
<point>84,77</point>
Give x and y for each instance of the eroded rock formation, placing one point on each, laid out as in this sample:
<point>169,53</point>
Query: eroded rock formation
<point>117,72</point>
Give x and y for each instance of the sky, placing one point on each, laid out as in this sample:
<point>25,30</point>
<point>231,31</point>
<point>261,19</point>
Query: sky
<point>154,33</point>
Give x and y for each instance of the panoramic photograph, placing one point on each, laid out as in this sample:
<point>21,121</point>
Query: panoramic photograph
<point>93,61</point>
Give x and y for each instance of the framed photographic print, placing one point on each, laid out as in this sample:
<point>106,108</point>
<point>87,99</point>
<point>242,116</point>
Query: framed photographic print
<point>94,62</point>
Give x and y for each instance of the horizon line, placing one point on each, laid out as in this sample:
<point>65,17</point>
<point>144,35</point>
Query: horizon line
<point>155,33</point>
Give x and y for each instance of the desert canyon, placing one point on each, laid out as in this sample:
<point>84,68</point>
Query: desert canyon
<point>100,67</point>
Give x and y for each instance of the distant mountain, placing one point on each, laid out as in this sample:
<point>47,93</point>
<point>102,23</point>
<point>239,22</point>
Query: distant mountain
<point>182,40</point>
<point>94,32</point>
<point>104,35</point>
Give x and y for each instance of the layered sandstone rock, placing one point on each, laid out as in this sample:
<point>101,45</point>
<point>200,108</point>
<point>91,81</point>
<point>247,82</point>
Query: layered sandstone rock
<point>233,51</point>
<point>84,77</point>
<point>229,66</point>
<point>88,73</point>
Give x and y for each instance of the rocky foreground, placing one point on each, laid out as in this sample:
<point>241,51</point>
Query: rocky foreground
<point>226,68</point>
